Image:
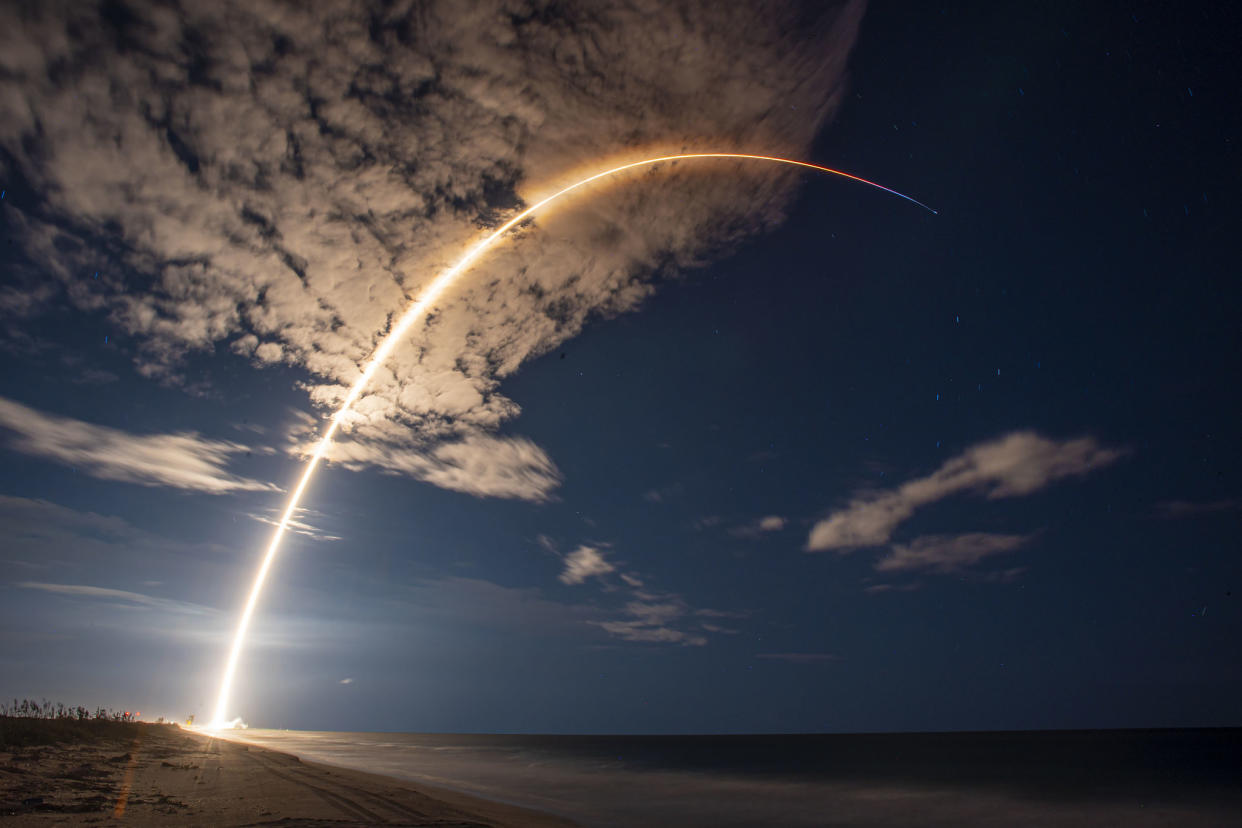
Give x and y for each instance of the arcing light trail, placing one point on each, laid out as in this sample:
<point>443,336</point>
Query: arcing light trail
<point>415,311</point>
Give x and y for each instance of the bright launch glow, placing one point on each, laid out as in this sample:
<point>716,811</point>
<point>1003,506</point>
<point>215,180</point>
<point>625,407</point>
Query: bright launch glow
<point>417,310</point>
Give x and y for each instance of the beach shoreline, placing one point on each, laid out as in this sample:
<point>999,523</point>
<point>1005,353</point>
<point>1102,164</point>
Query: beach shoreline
<point>149,774</point>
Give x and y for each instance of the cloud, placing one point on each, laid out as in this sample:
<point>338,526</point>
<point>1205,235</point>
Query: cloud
<point>664,494</point>
<point>483,465</point>
<point>654,619</point>
<point>714,628</point>
<point>480,603</point>
<point>45,535</point>
<point>947,553</point>
<point>801,658</point>
<point>644,618</point>
<point>346,681</point>
<point>121,597</point>
<point>184,460</point>
<point>770,523</point>
<point>1017,464</point>
<point>192,624</point>
<point>71,555</point>
<point>1175,509</point>
<point>642,632</point>
<point>277,181</point>
<point>714,613</point>
<point>1003,576</point>
<point>648,617</point>
<point>95,376</point>
<point>584,562</point>
<point>876,589</point>
<point>297,525</point>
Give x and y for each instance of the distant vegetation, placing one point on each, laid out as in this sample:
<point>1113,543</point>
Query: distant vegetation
<point>28,722</point>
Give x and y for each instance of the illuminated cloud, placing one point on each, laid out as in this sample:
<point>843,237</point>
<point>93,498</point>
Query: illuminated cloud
<point>947,553</point>
<point>584,562</point>
<point>121,597</point>
<point>298,525</point>
<point>1017,464</point>
<point>73,564</point>
<point>483,465</point>
<point>47,537</point>
<point>104,608</point>
<point>277,181</point>
<point>184,461</point>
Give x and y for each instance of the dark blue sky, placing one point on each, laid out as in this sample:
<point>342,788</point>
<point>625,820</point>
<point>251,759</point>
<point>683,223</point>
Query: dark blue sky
<point>1021,414</point>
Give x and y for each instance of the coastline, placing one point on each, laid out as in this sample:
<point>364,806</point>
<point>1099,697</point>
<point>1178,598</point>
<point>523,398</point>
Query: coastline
<point>161,774</point>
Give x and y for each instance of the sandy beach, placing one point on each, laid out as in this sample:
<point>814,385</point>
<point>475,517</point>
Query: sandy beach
<point>146,774</point>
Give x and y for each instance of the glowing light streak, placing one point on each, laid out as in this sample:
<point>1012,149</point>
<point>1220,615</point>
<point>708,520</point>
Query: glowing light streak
<point>412,314</point>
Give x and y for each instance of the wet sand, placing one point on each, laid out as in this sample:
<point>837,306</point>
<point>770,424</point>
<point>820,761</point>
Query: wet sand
<point>150,775</point>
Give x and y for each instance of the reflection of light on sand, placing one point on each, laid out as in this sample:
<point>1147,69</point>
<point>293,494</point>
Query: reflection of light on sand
<point>413,313</point>
<point>127,782</point>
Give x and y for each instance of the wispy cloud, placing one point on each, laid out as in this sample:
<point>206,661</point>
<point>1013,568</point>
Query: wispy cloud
<point>121,597</point>
<point>666,618</point>
<point>299,524</point>
<point>947,553</point>
<point>649,616</point>
<point>715,613</point>
<point>877,589</point>
<point>801,658</point>
<point>644,617</point>
<point>644,633</point>
<point>760,527</point>
<point>1174,509</point>
<point>184,461</point>
<point>584,562</point>
<point>1017,464</point>
<point>482,604</point>
<point>664,493</point>
<point>715,628</point>
<point>127,613</point>
<point>346,681</point>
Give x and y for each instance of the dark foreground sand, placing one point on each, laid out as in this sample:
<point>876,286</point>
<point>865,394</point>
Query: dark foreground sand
<point>151,775</point>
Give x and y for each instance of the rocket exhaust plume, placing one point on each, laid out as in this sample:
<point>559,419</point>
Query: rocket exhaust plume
<point>417,309</point>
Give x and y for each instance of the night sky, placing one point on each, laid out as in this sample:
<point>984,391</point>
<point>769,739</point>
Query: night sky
<point>722,449</point>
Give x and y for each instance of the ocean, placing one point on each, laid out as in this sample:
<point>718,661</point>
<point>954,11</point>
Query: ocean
<point>1063,778</point>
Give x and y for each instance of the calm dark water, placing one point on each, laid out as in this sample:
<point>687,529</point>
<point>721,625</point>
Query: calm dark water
<point>1131,777</point>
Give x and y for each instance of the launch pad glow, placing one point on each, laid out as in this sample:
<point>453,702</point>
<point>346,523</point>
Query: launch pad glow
<point>417,310</point>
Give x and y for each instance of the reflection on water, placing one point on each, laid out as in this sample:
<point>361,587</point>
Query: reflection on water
<point>1188,777</point>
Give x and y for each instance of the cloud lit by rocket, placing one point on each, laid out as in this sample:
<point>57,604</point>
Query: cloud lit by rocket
<point>422,305</point>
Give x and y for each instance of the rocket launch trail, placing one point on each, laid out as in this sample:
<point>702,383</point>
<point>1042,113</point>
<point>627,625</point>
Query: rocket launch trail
<point>417,309</point>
